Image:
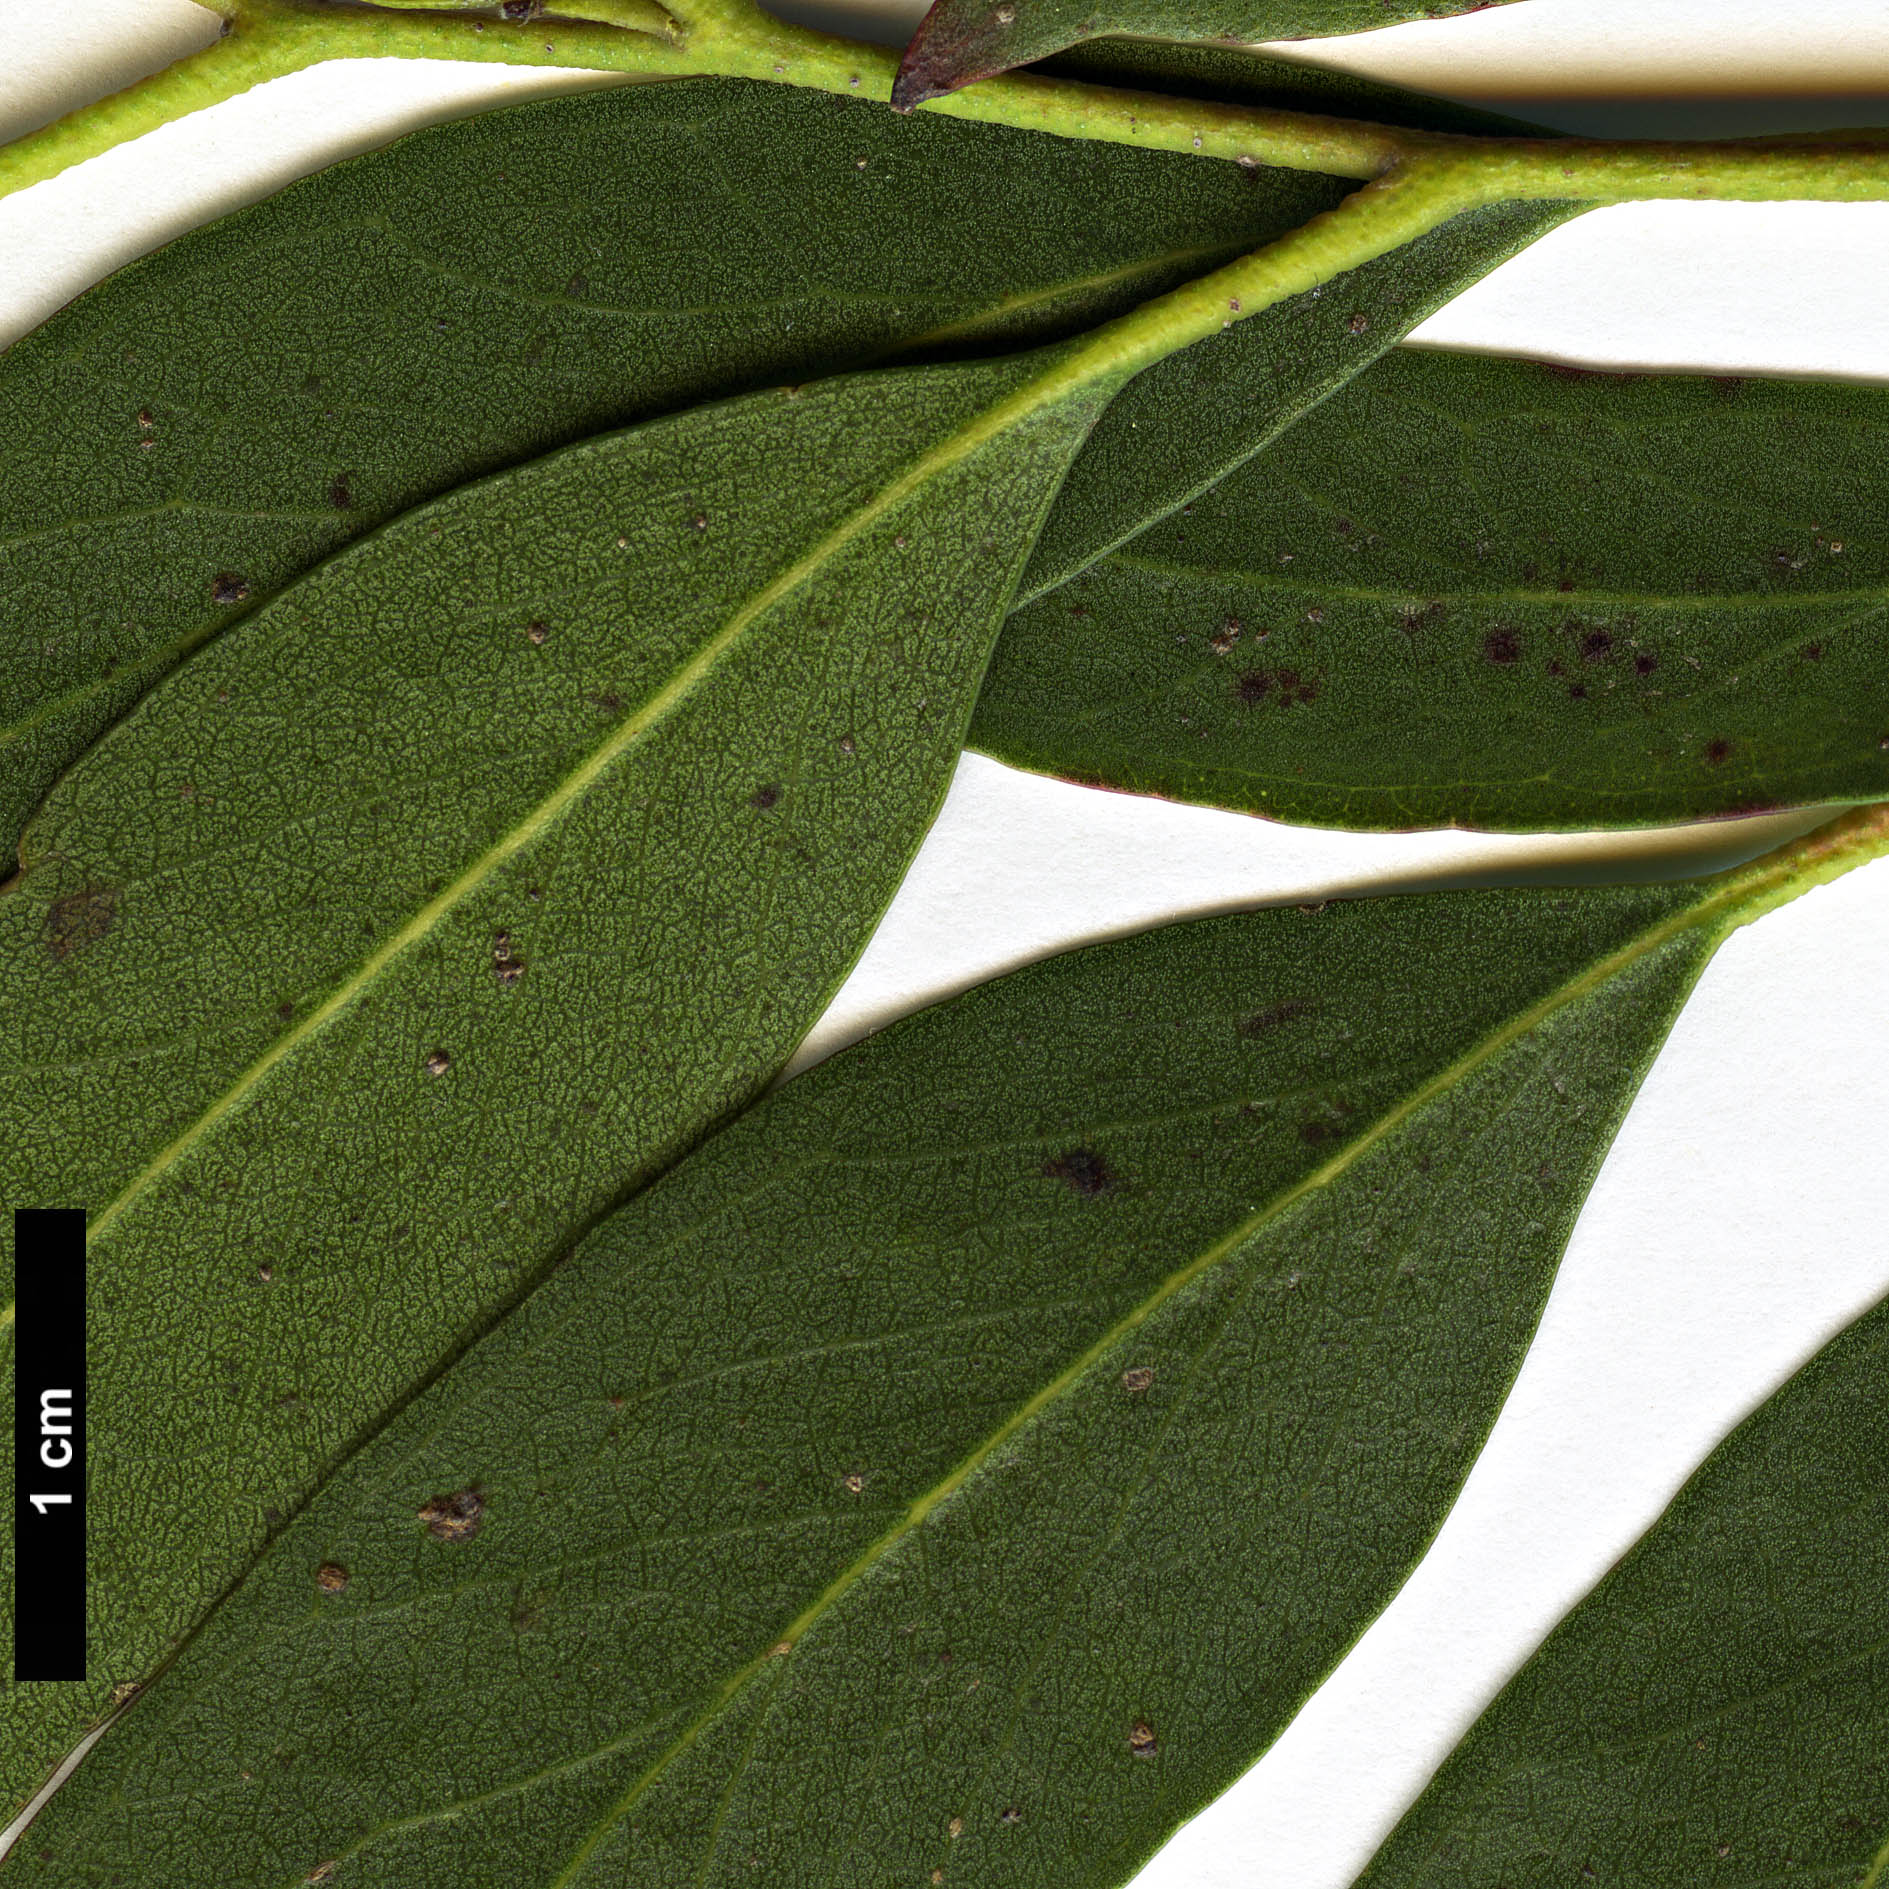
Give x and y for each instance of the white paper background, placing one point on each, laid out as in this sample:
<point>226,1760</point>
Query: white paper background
<point>1740,1218</point>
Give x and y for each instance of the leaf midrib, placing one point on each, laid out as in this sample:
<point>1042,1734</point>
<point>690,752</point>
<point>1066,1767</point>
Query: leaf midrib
<point>585,775</point>
<point>1570,600</point>
<point>1734,893</point>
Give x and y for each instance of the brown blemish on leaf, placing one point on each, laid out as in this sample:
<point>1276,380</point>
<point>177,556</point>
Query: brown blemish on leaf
<point>320,1873</point>
<point>1717,749</point>
<point>1287,687</point>
<point>1596,646</point>
<point>1262,1021</point>
<point>1813,652</point>
<point>1141,1739</point>
<point>780,1649</point>
<point>341,493</point>
<point>1081,1170</point>
<point>507,966</point>
<point>854,1483</point>
<point>535,631</point>
<point>455,1517</point>
<point>1645,663</point>
<point>228,588</point>
<point>955,1828</point>
<point>1141,1378</point>
<point>285,1011</point>
<point>1501,646</point>
<point>438,1063</point>
<point>1225,637</point>
<point>79,919</point>
<point>765,797</point>
<point>1011,1815</point>
<point>519,11</point>
<point>331,1577</point>
<point>1358,324</point>
<point>1578,692</point>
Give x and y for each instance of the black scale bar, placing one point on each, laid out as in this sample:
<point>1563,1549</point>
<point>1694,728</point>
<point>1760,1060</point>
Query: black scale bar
<point>49,1444</point>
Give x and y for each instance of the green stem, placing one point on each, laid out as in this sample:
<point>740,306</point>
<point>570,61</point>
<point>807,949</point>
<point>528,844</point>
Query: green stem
<point>267,39</point>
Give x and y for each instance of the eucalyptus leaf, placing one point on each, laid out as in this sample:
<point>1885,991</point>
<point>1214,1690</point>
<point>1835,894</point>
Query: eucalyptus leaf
<point>457,890</point>
<point>1717,1710</point>
<point>960,41</point>
<point>963,1465</point>
<point>1490,592</point>
<point>194,433</point>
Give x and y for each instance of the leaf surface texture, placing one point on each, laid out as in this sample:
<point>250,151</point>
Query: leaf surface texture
<point>1490,592</point>
<point>968,1461</point>
<point>458,890</point>
<point>1718,1708</point>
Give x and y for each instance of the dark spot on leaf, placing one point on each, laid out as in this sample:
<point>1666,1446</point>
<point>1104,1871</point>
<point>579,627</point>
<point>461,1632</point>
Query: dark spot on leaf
<point>455,1517</point>
<point>1358,324</point>
<point>765,797</point>
<point>1270,1019</point>
<point>1137,1380</point>
<point>1225,637</point>
<point>520,9</point>
<point>331,1577</point>
<point>853,1483</point>
<point>228,588</point>
<point>1645,663</point>
<point>1727,386</point>
<point>79,919</point>
<point>285,1011</point>
<point>1562,371</point>
<point>1813,652</point>
<point>535,631</point>
<point>610,701</point>
<point>1566,583</point>
<point>1596,646</point>
<point>1141,1739</point>
<point>1251,687</point>
<point>1011,1815</point>
<point>1287,686</point>
<point>1555,669</point>
<point>1501,646</point>
<point>1717,749</point>
<point>1082,1170</point>
<point>1577,692</point>
<point>341,493</point>
<point>438,1063</point>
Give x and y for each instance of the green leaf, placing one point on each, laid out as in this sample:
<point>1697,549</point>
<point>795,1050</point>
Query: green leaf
<point>459,889</point>
<point>261,392</point>
<point>1717,1710</point>
<point>968,1460</point>
<point>1490,592</point>
<point>959,41</point>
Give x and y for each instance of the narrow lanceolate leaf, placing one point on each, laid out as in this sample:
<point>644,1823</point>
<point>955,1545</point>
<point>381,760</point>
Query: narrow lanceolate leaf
<point>1495,593</point>
<point>967,1462</point>
<point>1717,1710</point>
<point>459,889</point>
<point>197,431</point>
<point>193,434</point>
<point>959,41</point>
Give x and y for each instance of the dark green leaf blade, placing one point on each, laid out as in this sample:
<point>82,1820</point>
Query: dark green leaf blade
<point>960,41</point>
<point>968,1461</point>
<point>1718,1708</point>
<point>1493,593</point>
<point>458,889</point>
<point>198,430</point>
